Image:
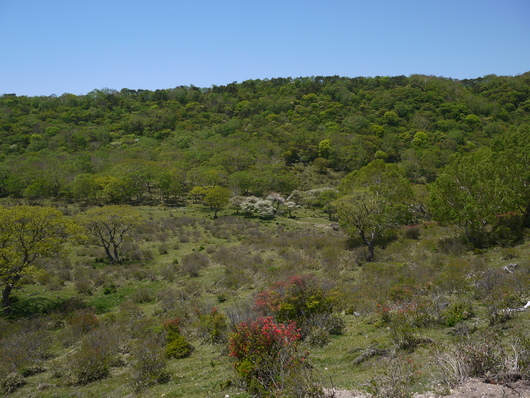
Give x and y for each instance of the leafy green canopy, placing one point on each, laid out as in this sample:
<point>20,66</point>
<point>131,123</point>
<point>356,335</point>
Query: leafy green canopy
<point>475,189</point>
<point>28,234</point>
<point>253,137</point>
<point>377,198</point>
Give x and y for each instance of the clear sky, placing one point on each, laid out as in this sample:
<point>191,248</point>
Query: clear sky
<point>73,46</point>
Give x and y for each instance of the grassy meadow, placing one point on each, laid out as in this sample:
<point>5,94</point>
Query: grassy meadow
<point>410,318</point>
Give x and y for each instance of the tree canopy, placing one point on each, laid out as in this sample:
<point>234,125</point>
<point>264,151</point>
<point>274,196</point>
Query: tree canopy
<point>377,198</point>
<point>28,234</point>
<point>253,137</point>
<point>109,226</point>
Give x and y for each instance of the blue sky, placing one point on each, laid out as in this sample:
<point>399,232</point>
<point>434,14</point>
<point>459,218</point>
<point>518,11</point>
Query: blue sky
<point>67,46</point>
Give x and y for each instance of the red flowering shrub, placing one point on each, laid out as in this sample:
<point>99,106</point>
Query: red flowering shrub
<point>303,299</point>
<point>266,355</point>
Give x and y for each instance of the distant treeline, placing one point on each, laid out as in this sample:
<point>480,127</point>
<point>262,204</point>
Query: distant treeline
<point>253,137</point>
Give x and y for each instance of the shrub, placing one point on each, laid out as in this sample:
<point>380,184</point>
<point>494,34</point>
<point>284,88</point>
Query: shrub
<point>84,285</point>
<point>457,312</point>
<point>521,353</point>
<point>396,381</point>
<point>318,337</point>
<point>89,363</point>
<point>411,232</point>
<point>11,382</point>
<point>149,363</point>
<point>212,326</point>
<point>168,272</point>
<point>142,295</point>
<point>24,351</point>
<point>403,320</point>
<point>300,299</point>
<point>134,253</point>
<point>267,357</point>
<point>192,263</point>
<point>109,289</point>
<point>403,332</point>
<point>95,356</point>
<point>453,277</point>
<point>72,304</point>
<point>508,229</point>
<point>455,246</point>
<point>83,320</point>
<point>477,355</point>
<point>177,346</point>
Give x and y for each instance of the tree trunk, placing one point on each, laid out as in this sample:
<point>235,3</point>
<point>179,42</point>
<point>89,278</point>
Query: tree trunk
<point>6,299</point>
<point>370,244</point>
<point>116,254</point>
<point>109,254</point>
<point>371,254</point>
<point>526,215</point>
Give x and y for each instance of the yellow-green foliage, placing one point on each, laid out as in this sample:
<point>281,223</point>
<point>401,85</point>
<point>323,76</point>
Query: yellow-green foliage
<point>27,234</point>
<point>177,345</point>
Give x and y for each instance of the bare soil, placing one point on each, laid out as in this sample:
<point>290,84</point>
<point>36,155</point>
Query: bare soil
<point>472,388</point>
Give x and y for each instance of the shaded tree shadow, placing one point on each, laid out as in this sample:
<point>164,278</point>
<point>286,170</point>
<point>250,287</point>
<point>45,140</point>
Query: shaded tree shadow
<point>27,306</point>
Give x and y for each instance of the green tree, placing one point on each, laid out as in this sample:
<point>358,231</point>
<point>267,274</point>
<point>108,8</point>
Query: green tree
<point>138,175</point>
<point>377,199</point>
<point>391,118</point>
<point>116,190</point>
<point>170,182</point>
<point>28,234</point>
<point>324,148</point>
<point>469,192</point>
<point>511,152</point>
<point>241,182</point>
<point>110,226</point>
<point>85,187</point>
<point>217,198</point>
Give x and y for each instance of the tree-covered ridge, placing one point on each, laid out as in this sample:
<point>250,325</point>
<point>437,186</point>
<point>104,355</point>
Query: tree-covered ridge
<point>250,135</point>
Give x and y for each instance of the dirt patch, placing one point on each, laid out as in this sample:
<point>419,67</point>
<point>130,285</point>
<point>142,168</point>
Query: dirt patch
<point>473,388</point>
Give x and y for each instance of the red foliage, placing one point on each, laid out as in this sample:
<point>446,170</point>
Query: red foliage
<point>261,337</point>
<point>265,354</point>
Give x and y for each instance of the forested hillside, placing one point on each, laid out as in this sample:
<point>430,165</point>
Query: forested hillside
<point>253,137</point>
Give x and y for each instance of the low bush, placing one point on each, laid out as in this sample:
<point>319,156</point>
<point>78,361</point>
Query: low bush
<point>397,381</point>
<point>192,263</point>
<point>507,229</point>
<point>268,361</point>
<point>520,361</point>
<point>83,321</point>
<point>24,351</point>
<point>212,326</point>
<point>404,333</point>
<point>142,295</point>
<point>149,362</point>
<point>177,346</point>
<point>11,382</point>
<point>476,355</point>
<point>300,299</point>
<point>411,232</point>
<point>97,353</point>
<point>457,312</point>
<point>89,363</point>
